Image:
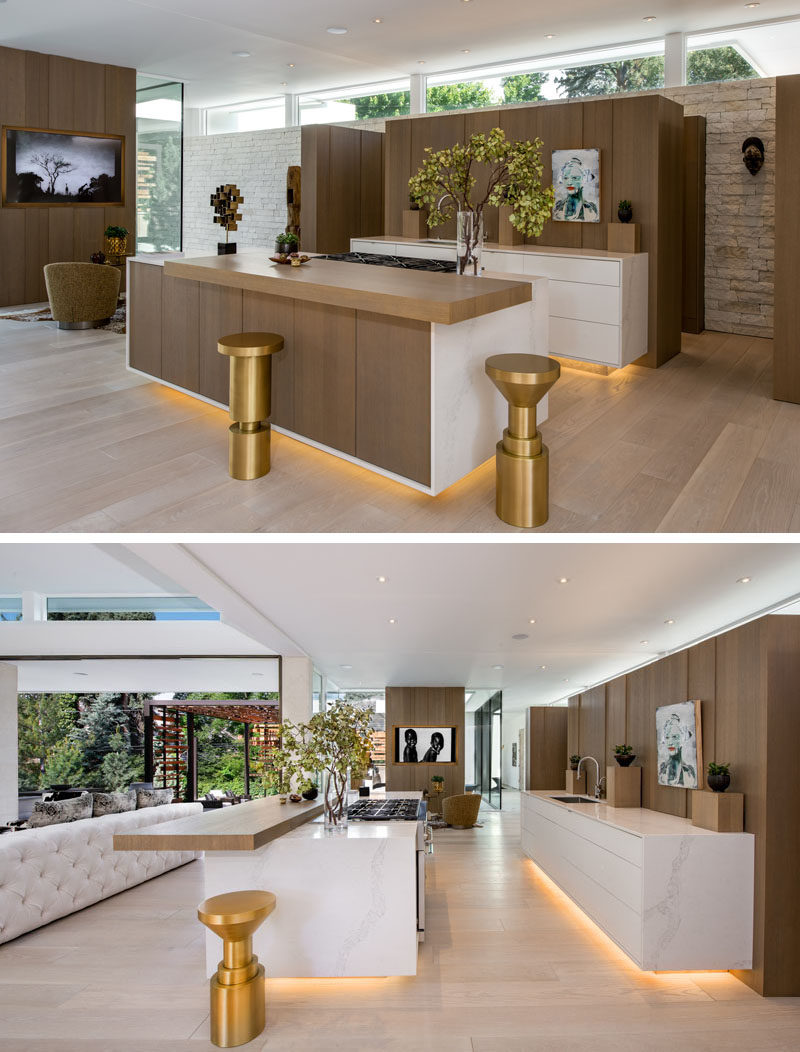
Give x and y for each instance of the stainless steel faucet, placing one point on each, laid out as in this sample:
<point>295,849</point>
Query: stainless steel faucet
<point>443,198</point>
<point>598,785</point>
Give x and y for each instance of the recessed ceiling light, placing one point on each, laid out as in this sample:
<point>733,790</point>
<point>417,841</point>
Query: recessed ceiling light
<point>337,31</point>
<point>670,621</point>
<point>259,674</point>
<point>465,51</point>
<point>565,680</point>
<point>392,620</point>
<point>346,667</point>
<point>549,36</point>
<point>420,61</point>
<point>283,83</point>
<point>520,635</point>
<point>649,18</point>
<point>752,5</point>
<point>381,579</point>
<point>497,668</point>
<point>74,673</point>
<point>377,21</point>
<point>644,642</point>
<point>531,620</point>
<point>744,580</point>
<point>241,54</point>
<point>290,65</point>
<point>563,580</point>
<point>543,667</point>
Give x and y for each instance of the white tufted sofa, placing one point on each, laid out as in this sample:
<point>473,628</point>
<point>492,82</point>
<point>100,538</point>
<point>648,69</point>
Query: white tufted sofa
<point>49,872</point>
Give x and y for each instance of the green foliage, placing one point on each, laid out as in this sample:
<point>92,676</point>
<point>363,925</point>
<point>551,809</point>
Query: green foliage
<point>524,87</point>
<point>119,768</point>
<point>391,104</point>
<point>624,205</point>
<point>162,208</point>
<point>286,239</point>
<point>717,63</point>
<point>511,174</point>
<point>575,759</point>
<point>719,768</point>
<point>101,720</point>
<point>437,778</point>
<point>468,96</point>
<point>102,615</point>
<point>607,78</point>
<point>623,750</point>
<point>115,231</point>
<point>63,764</point>
<point>44,720</point>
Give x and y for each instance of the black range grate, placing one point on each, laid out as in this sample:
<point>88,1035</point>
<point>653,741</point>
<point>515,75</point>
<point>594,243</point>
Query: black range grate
<point>400,810</point>
<point>441,266</point>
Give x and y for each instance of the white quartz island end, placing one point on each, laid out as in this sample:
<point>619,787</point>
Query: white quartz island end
<point>671,895</point>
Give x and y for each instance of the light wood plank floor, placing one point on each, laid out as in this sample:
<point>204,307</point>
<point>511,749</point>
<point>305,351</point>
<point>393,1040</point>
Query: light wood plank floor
<point>508,966</point>
<point>698,445</point>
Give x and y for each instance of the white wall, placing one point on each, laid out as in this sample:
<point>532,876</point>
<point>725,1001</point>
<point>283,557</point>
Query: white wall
<point>513,723</point>
<point>9,791</point>
<point>297,684</point>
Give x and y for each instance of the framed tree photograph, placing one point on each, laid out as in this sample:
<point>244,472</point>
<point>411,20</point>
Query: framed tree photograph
<point>49,168</point>
<point>679,745</point>
<point>418,744</point>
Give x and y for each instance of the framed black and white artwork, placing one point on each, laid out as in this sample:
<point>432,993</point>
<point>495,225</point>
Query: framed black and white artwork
<point>42,167</point>
<point>424,744</point>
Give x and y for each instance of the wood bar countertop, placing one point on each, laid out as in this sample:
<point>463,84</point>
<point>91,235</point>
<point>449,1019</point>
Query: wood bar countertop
<point>417,294</point>
<point>240,827</point>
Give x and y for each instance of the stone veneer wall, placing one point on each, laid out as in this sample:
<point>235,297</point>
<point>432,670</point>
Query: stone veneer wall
<point>740,209</point>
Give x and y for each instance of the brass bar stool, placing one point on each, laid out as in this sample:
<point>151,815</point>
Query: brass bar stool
<point>238,989</point>
<point>250,400</point>
<point>522,496</point>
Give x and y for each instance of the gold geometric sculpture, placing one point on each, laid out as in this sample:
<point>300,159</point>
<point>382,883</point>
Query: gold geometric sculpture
<point>226,202</point>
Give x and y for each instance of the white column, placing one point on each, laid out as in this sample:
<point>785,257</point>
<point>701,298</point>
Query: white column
<point>296,689</point>
<point>674,60</point>
<point>292,118</point>
<point>194,122</point>
<point>419,93</point>
<point>34,607</point>
<point>9,792</point>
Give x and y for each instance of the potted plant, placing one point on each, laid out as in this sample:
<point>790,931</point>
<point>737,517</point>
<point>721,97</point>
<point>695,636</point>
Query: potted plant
<point>285,244</point>
<point>625,211</point>
<point>308,789</point>
<point>332,742</point>
<point>719,777</point>
<point>438,783</point>
<point>573,762</point>
<point>511,174</point>
<point>117,239</point>
<point>624,755</point>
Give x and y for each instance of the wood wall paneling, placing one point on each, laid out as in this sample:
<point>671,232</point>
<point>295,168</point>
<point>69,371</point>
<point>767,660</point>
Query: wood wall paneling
<point>547,758</point>
<point>425,706</point>
<point>393,392</point>
<point>371,196</point>
<point>275,314</point>
<point>670,685</point>
<point>180,332</point>
<point>480,122</point>
<point>313,142</point>
<point>325,374</point>
<point>396,174</point>
<point>573,726</point>
<point>220,315</point>
<point>48,91</point>
<point>593,732</point>
<point>598,131</point>
<point>144,318</point>
<point>694,224</point>
<point>343,180</point>
<point>438,132</point>
<point>616,716</point>
<point>702,685</point>
<point>786,359</point>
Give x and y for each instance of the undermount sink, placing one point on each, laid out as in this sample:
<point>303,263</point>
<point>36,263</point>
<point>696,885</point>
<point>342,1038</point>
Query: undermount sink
<point>437,241</point>
<point>575,799</point>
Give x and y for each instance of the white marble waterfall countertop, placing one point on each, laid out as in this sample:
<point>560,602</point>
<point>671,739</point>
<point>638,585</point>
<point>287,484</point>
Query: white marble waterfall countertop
<point>639,821</point>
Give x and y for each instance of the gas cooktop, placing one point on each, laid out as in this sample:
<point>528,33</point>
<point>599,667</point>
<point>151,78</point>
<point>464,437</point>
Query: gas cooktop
<point>399,810</point>
<point>441,266</point>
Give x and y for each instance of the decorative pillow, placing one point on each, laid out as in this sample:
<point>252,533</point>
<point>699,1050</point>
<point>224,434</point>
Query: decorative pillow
<point>153,797</point>
<point>53,812</point>
<point>113,803</point>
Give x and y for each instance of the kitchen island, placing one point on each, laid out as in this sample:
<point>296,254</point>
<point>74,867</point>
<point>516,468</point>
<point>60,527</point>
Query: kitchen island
<point>346,902</point>
<point>381,367</point>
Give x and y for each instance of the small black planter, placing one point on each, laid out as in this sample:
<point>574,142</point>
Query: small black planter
<point>625,761</point>
<point>226,248</point>
<point>718,783</point>
<point>625,215</point>
<point>310,794</point>
<point>575,768</point>
<point>286,248</point>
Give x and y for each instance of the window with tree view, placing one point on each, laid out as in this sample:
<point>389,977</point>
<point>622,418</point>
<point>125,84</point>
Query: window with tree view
<point>159,164</point>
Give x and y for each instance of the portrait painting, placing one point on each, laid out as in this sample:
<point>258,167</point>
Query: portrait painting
<point>576,182</point>
<point>61,168</point>
<point>679,756</point>
<point>424,744</point>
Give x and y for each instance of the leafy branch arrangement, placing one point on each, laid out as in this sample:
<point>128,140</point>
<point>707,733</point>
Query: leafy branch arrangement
<point>511,174</point>
<point>331,742</point>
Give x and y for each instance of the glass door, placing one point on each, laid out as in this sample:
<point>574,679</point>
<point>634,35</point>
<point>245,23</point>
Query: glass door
<point>487,743</point>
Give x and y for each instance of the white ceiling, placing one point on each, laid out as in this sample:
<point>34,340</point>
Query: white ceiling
<point>132,675</point>
<point>193,40</point>
<point>457,605</point>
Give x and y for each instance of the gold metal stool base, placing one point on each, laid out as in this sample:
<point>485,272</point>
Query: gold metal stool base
<point>238,989</point>
<point>250,355</point>
<point>522,495</point>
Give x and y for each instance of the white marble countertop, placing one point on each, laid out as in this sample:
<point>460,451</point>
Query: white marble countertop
<point>493,246</point>
<point>639,821</point>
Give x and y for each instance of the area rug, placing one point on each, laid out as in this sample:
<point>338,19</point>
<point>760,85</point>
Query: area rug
<point>115,324</point>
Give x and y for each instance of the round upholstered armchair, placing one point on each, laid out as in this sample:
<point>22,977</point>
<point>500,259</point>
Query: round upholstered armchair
<point>461,810</point>
<point>81,294</point>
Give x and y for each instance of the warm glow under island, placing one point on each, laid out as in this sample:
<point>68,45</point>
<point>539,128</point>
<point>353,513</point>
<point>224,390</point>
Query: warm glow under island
<point>382,367</point>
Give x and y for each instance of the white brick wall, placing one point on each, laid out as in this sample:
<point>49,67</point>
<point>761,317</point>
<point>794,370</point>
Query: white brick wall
<point>740,209</point>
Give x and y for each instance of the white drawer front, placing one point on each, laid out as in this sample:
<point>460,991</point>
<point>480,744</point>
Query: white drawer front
<point>504,262</point>
<point>427,251</point>
<point>587,341</point>
<point>382,248</point>
<point>573,268</point>
<point>626,845</point>
<point>601,303</point>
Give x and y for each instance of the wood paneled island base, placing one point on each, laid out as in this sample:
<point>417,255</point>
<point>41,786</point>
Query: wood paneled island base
<point>381,367</point>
